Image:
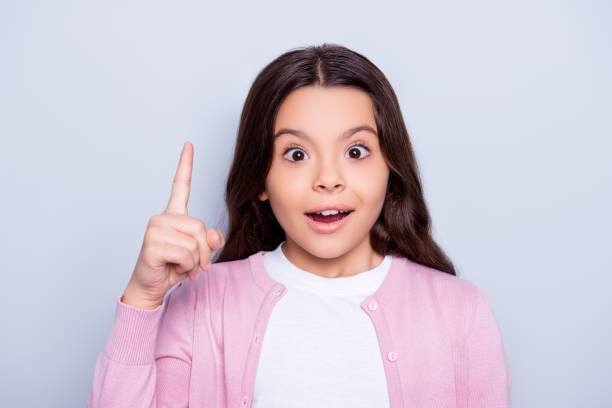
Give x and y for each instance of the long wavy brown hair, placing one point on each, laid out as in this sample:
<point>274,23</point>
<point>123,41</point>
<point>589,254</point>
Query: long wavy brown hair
<point>403,227</point>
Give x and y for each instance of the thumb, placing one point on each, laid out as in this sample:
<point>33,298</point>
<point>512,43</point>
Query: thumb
<point>215,239</point>
<point>221,239</point>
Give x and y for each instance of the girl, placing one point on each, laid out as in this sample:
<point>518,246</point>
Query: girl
<point>329,291</point>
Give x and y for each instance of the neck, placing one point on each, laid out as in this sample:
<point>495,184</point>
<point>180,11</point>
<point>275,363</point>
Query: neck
<point>358,259</point>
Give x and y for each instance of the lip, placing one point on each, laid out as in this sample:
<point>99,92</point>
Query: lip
<point>327,227</point>
<point>341,207</point>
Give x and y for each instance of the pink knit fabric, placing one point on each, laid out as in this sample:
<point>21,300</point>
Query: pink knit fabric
<point>438,336</point>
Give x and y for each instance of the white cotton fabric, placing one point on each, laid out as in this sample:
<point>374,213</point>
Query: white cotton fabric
<point>320,347</point>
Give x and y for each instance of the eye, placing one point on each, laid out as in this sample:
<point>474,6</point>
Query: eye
<point>353,150</point>
<point>357,151</point>
<point>295,156</point>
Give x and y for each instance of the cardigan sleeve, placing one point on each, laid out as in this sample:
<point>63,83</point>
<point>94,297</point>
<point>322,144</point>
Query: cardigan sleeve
<point>146,361</point>
<point>489,379</point>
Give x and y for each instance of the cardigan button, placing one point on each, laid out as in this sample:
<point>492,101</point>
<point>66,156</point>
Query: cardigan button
<point>256,339</point>
<point>373,305</point>
<point>278,292</point>
<point>245,400</point>
<point>392,356</point>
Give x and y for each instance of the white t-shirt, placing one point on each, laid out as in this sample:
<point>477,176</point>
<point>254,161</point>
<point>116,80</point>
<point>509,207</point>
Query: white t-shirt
<point>320,348</point>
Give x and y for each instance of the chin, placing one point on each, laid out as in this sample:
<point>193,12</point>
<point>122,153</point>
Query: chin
<point>326,249</point>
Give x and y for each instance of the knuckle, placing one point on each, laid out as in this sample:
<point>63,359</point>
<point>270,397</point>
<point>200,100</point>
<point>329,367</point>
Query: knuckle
<point>150,235</point>
<point>159,219</point>
<point>153,220</point>
<point>201,227</point>
<point>187,264</point>
<point>193,246</point>
<point>193,262</point>
<point>187,257</point>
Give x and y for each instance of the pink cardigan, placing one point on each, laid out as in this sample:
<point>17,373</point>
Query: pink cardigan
<point>438,336</point>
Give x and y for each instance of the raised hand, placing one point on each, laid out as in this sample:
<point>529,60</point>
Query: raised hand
<point>175,245</point>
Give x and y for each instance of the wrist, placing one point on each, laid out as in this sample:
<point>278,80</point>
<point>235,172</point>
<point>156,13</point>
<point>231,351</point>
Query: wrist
<point>138,301</point>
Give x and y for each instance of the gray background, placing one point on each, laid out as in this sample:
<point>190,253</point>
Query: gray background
<point>507,104</point>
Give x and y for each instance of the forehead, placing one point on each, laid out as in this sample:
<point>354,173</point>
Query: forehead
<point>325,110</point>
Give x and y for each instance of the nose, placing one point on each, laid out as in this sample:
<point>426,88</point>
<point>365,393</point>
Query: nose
<point>328,178</point>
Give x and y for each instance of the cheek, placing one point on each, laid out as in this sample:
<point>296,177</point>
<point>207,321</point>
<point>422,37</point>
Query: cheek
<point>370,181</point>
<point>286,188</point>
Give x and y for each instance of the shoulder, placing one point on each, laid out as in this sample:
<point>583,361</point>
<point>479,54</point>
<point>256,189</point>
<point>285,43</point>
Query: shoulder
<point>236,276</point>
<point>221,270</point>
<point>453,297</point>
<point>445,286</point>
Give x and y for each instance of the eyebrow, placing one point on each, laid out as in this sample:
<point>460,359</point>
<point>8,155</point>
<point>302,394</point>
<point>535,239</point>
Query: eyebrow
<point>346,134</point>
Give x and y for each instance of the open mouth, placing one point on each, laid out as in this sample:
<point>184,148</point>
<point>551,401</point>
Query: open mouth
<point>328,217</point>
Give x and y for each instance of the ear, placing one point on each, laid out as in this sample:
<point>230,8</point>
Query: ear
<point>263,196</point>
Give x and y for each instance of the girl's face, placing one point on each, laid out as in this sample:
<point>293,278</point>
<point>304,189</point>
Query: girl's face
<point>321,159</point>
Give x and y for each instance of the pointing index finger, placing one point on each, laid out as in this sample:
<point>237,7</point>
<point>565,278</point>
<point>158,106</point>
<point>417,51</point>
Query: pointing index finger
<point>182,182</point>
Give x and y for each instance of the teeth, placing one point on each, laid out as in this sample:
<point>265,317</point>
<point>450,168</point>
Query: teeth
<point>330,212</point>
